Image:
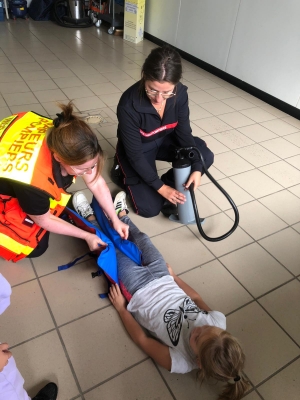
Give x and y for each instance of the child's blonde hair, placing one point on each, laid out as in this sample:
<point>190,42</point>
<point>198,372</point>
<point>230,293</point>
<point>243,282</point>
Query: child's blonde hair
<point>222,358</point>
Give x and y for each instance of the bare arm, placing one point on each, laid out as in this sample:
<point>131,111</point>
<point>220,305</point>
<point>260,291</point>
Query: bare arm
<point>189,291</point>
<point>102,194</point>
<point>156,350</point>
<point>54,224</point>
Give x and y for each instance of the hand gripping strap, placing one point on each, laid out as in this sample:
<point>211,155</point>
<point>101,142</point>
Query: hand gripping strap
<point>125,246</point>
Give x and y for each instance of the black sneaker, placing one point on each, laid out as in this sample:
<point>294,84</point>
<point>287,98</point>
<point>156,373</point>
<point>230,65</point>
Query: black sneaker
<point>49,392</point>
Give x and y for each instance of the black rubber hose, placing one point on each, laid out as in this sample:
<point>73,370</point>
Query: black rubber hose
<point>234,207</point>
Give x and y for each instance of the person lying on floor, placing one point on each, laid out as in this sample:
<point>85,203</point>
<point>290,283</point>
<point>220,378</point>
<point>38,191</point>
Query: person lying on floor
<point>185,333</point>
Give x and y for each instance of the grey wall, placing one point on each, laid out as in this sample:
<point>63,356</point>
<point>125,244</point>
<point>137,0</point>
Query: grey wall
<point>257,41</point>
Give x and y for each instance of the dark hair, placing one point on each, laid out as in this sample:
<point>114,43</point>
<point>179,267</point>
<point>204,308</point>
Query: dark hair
<point>163,64</point>
<point>73,140</point>
<point>222,358</point>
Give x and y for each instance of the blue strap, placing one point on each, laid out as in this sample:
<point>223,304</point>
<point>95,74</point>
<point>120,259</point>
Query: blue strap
<point>103,295</point>
<point>70,264</point>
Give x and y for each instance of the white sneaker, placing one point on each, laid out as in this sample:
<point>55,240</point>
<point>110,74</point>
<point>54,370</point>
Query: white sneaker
<point>81,205</point>
<point>120,203</point>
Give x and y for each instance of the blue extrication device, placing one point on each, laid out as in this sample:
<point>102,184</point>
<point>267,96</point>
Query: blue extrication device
<point>106,257</point>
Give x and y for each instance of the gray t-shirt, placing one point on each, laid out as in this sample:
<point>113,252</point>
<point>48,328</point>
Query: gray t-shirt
<point>170,315</point>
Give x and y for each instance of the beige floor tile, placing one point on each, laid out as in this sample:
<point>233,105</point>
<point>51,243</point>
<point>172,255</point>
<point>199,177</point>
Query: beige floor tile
<point>231,164</point>
<point>7,77</point>
<point>88,103</point>
<point>28,67</point>
<point>69,82</point>
<point>281,147</point>
<point>280,127</point>
<point>251,261</point>
<point>196,131</point>
<point>140,382</point>
<point>60,73</point>
<point>221,93</point>
<point>46,65</point>
<point>284,305</point>
<point>256,183</point>
<point>257,133</point>
<point>238,195</point>
<point>197,112</point>
<point>284,246</point>
<point>14,87</point>
<point>285,205</point>
<point>238,103</point>
<point>236,119</point>
<point>254,212</point>
<point>257,155</point>
<point>156,226</point>
<point>252,396</point>
<point>17,273</point>
<point>294,138</point>
<point>104,88</point>
<point>217,287</point>
<point>216,226</point>
<point>80,291</point>
<point>50,95</point>
<point>292,121</point>
<point>212,125</point>
<point>105,352</point>
<point>192,76</point>
<point>62,250</point>
<point>297,227</point>
<point>233,139</point>
<point>283,173</point>
<point>111,99</point>
<point>273,110</point>
<point>215,173</point>
<point>191,86</point>
<point>43,360</point>
<point>284,385</point>
<point>135,73</point>
<point>259,336</point>
<point>201,97</point>
<point>192,252</point>
<point>107,148</point>
<point>16,99</point>
<point>258,114</point>
<point>7,68</point>
<point>206,84</point>
<point>111,76</point>
<point>2,102</point>
<point>4,112</point>
<point>295,190</point>
<point>187,386</point>
<point>77,92</point>
<point>93,79</point>
<point>214,145</point>
<point>124,84</point>
<point>37,108</point>
<point>43,84</point>
<point>206,207</point>
<point>108,131</point>
<point>217,107</point>
<point>18,326</point>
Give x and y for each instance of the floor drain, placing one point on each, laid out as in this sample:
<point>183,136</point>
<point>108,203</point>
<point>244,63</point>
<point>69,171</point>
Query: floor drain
<point>93,119</point>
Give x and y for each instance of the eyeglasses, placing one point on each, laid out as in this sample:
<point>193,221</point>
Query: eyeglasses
<point>153,93</point>
<point>85,171</point>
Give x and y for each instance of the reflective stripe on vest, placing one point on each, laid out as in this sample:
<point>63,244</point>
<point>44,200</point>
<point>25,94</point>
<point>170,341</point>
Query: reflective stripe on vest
<point>14,246</point>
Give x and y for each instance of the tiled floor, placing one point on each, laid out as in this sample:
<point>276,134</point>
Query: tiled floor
<point>58,327</point>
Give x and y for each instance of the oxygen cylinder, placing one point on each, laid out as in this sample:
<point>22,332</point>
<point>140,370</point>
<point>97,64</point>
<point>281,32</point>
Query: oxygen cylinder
<point>182,171</point>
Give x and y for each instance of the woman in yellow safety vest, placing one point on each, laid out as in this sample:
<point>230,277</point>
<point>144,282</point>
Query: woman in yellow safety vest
<point>39,160</point>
